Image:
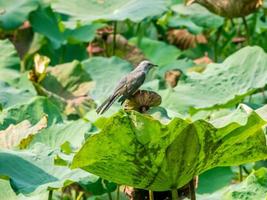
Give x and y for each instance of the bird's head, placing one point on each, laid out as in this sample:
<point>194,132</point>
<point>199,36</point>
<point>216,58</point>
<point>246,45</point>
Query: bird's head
<point>145,66</point>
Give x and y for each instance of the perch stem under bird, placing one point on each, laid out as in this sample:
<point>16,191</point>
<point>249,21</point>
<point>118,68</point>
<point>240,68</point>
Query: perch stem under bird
<point>127,86</point>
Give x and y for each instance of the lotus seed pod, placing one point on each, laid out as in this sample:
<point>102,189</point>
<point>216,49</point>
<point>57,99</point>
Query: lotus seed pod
<point>230,8</point>
<point>142,100</point>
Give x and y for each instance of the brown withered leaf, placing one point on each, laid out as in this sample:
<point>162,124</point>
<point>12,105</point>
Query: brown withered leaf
<point>172,77</point>
<point>16,135</point>
<point>185,40</point>
<point>69,85</point>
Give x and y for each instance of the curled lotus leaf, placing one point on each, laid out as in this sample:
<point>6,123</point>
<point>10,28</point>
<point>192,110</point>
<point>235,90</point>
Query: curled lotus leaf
<point>137,150</point>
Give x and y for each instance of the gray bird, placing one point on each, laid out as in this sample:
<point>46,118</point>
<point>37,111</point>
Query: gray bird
<point>127,86</point>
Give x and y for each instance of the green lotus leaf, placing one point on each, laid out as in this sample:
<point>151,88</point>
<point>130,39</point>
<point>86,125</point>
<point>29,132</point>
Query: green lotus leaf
<point>215,179</point>
<point>137,150</point>
<point>15,12</point>
<point>7,193</point>
<point>254,187</point>
<point>8,55</point>
<point>46,22</point>
<point>220,85</point>
<point>33,111</point>
<point>68,86</point>
<point>194,17</point>
<point>10,96</point>
<point>158,52</point>
<point>33,171</point>
<point>54,136</point>
<point>135,10</point>
<point>106,73</point>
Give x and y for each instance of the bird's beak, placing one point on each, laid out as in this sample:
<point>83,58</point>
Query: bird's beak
<point>155,65</point>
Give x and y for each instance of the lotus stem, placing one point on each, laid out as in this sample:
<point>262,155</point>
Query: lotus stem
<point>240,173</point>
<point>139,34</point>
<point>263,94</point>
<point>114,38</point>
<point>151,195</point>
<point>109,195</point>
<point>175,194</point>
<point>79,197</point>
<point>247,29</point>
<point>118,193</point>
<point>50,195</point>
<point>192,190</point>
<point>218,35</point>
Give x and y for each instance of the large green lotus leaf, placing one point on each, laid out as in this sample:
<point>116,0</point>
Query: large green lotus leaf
<point>45,21</point>
<point>220,85</point>
<point>82,33</point>
<point>10,96</point>
<point>56,135</point>
<point>137,150</point>
<point>7,193</point>
<point>14,134</point>
<point>106,73</point>
<point>158,52</point>
<point>135,10</point>
<point>68,85</point>
<point>254,187</point>
<point>15,12</point>
<point>182,64</point>
<point>178,21</point>
<point>8,55</point>
<point>67,79</point>
<point>33,171</point>
<point>198,15</point>
<point>9,75</point>
<point>32,111</point>
<point>214,179</point>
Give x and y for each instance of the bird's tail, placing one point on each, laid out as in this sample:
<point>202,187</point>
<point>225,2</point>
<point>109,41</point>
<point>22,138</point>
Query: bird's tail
<point>106,104</point>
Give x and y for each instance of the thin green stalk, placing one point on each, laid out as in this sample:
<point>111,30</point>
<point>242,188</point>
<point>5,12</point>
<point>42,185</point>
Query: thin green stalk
<point>79,197</point>
<point>114,37</point>
<point>232,22</point>
<point>175,194</point>
<point>109,195</point>
<point>139,34</point>
<point>240,173</point>
<point>151,195</point>
<point>245,170</point>
<point>263,94</point>
<point>218,35</point>
<point>50,195</point>
<point>118,193</point>
<point>247,29</point>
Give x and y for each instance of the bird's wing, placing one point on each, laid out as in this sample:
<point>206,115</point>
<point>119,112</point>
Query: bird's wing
<point>112,98</point>
<point>126,87</point>
<point>121,87</point>
<point>132,84</point>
